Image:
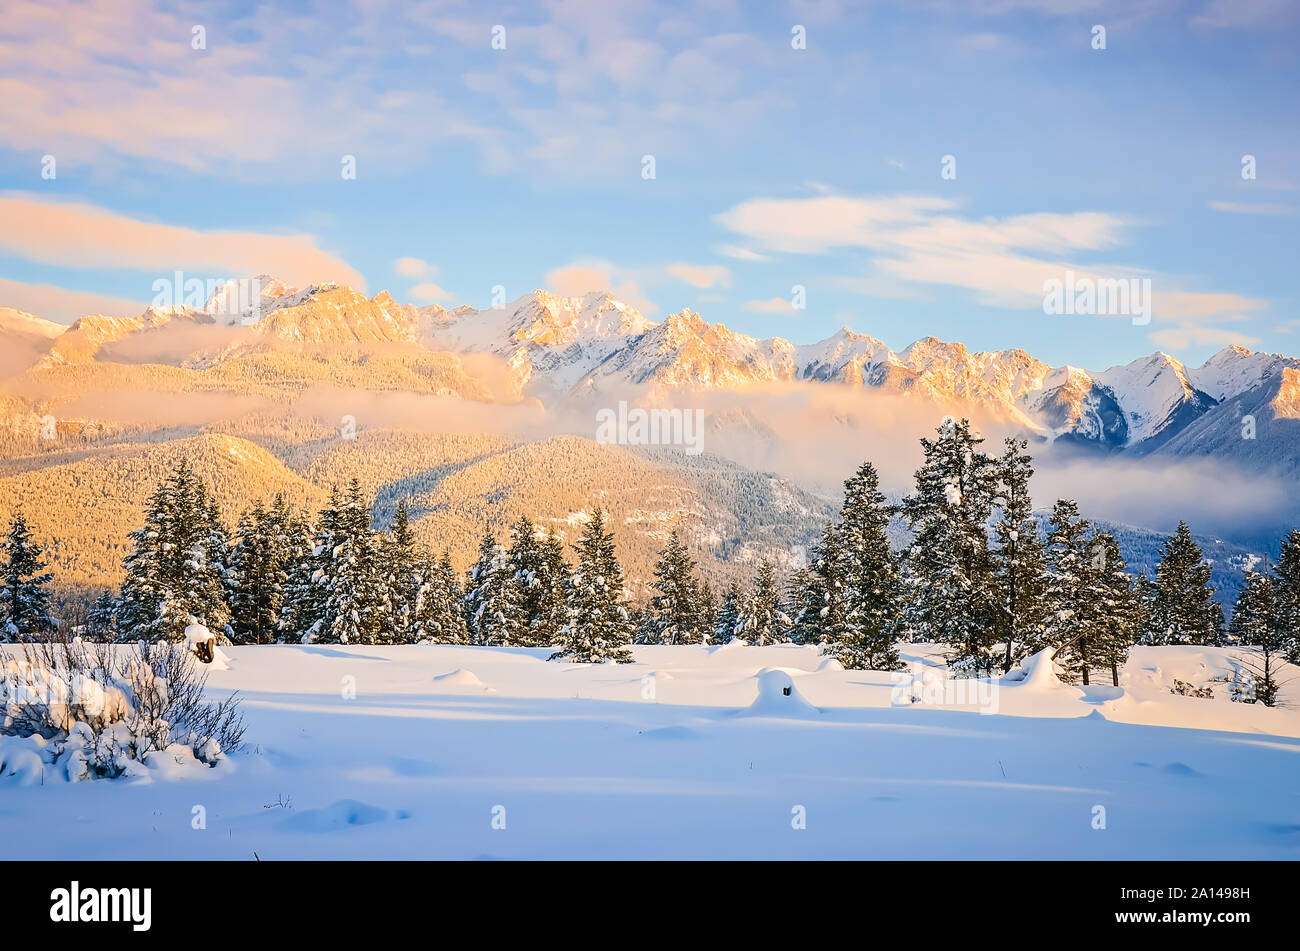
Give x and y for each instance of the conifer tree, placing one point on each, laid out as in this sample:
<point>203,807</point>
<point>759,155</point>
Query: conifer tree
<point>300,606</point>
<point>673,615</point>
<point>24,600</point>
<point>1286,595</point>
<point>492,611</point>
<point>175,572</point>
<point>439,614</point>
<point>1183,609</point>
<point>258,573</point>
<point>707,618</point>
<point>598,627</point>
<point>349,595</point>
<point>1018,559</point>
<point>1255,626</point>
<point>728,616</point>
<point>401,564</point>
<point>537,567</point>
<point>949,572</point>
<point>1070,626</point>
<point>760,620</point>
<point>1113,603</point>
<point>825,607</point>
<point>872,575</point>
<point>101,619</point>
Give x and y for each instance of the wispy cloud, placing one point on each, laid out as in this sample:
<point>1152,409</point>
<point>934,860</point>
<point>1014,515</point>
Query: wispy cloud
<point>703,276</point>
<point>77,235</point>
<point>1252,208</point>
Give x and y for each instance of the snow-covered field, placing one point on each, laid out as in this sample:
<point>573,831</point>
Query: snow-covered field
<point>692,752</point>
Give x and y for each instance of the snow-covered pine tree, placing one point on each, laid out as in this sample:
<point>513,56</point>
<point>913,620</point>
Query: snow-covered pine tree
<point>175,571</point>
<point>1182,608</point>
<point>728,616</point>
<point>949,581</point>
<point>439,614</point>
<point>300,605</point>
<point>1018,559</point>
<point>872,575</point>
<point>401,565</point>
<point>537,567</point>
<point>598,629</point>
<point>552,606</point>
<point>1070,622</point>
<point>824,611</point>
<point>760,620</point>
<point>707,618</point>
<point>258,573</point>
<point>493,615</point>
<point>101,619</point>
<point>24,600</point>
<point>1255,626</point>
<point>349,594</point>
<point>1286,595</point>
<point>673,615</point>
<point>1113,603</point>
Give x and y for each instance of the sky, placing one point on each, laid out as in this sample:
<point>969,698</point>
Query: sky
<point>914,169</point>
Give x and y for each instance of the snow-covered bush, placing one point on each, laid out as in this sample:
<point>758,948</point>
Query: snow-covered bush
<point>103,710</point>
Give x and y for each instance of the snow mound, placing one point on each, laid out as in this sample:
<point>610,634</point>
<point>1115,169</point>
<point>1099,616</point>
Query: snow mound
<point>778,696</point>
<point>830,663</point>
<point>1036,672</point>
<point>461,677</point>
<point>21,761</point>
<point>344,814</point>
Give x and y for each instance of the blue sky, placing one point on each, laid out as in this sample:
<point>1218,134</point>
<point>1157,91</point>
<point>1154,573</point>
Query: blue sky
<point>774,166</point>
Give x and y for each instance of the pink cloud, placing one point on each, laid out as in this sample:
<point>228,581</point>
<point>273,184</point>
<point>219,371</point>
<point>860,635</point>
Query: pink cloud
<point>71,234</point>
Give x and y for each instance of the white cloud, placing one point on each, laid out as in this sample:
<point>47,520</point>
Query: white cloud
<point>701,275</point>
<point>429,291</point>
<point>410,267</point>
<point>773,305</point>
<point>1252,208</point>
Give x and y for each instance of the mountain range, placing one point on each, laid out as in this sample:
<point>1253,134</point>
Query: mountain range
<point>122,396</point>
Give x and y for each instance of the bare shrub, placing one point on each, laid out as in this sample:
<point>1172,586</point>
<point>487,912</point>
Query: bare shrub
<point>105,707</point>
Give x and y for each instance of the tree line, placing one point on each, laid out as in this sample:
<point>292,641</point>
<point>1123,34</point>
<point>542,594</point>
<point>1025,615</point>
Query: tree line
<point>979,575</point>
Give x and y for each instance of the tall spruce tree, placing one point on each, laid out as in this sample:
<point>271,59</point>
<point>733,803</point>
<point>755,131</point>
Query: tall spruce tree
<point>673,615</point>
<point>439,613</point>
<point>537,567</point>
<point>258,574</point>
<point>1070,623</point>
<point>1113,604</point>
<point>948,570</point>
<point>175,572</point>
<point>1019,566</point>
<point>300,606</point>
<point>598,629</point>
<point>402,564</point>
<point>1182,608</point>
<point>707,618</point>
<point>24,599</point>
<point>825,606</point>
<point>350,597</point>
<point>728,616</point>
<point>493,615</point>
<point>874,585</point>
<point>1255,626</point>
<point>1286,595</point>
<point>760,620</point>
